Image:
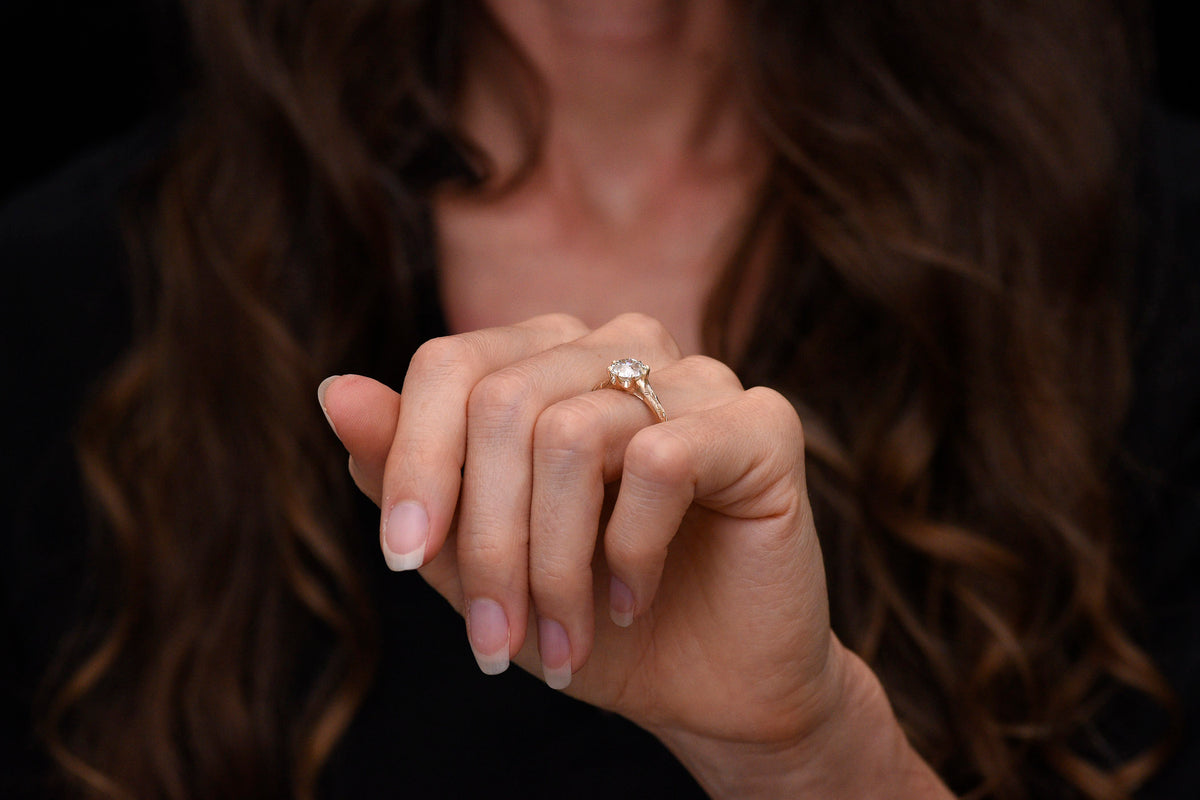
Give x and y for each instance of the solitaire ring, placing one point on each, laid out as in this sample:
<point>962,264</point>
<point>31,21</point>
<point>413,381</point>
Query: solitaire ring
<point>629,375</point>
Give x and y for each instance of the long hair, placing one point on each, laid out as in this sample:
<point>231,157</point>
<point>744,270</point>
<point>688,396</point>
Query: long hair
<point>947,236</point>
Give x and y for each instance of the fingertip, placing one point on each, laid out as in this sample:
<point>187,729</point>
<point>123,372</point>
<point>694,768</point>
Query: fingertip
<point>322,388</point>
<point>489,635</point>
<point>554,647</point>
<point>621,604</point>
<point>404,536</point>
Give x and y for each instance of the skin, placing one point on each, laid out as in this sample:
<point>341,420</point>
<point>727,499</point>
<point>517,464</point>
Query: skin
<point>648,167</point>
<point>669,572</point>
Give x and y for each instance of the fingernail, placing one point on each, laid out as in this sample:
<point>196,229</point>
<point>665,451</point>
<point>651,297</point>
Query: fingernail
<point>405,532</point>
<point>321,399</point>
<point>555,649</point>
<point>487,630</point>
<point>620,602</point>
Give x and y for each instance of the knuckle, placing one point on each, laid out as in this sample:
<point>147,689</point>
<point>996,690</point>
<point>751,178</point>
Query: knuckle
<point>445,355</point>
<point>716,372</point>
<point>659,456</point>
<point>645,328</point>
<point>499,399</point>
<point>632,553</point>
<point>779,410</point>
<point>568,429</point>
<point>490,559</point>
<point>568,325</point>
<point>418,457</point>
<point>552,578</point>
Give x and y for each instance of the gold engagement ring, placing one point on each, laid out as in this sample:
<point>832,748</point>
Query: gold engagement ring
<point>629,375</point>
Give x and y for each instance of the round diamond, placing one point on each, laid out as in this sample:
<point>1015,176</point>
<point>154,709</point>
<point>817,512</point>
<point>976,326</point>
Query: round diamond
<point>627,369</point>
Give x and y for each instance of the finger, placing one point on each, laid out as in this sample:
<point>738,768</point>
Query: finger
<point>363,414</point>
<point>495,516</point>
<point>742,459</point>
<point>422,471</point>
<point>579,446</point>
<point>571,448</point>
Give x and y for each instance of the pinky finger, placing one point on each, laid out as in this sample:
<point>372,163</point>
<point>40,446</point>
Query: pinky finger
<point>657,487</point>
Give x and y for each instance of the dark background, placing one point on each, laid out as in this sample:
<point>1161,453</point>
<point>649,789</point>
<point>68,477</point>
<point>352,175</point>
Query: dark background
<point>76,72</point>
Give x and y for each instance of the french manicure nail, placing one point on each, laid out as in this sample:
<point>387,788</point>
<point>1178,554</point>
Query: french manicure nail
<point>487,631</point>
<point>324,385</point>
<point>405,534</point>
<point>620,602</point>
<point>555,650</point>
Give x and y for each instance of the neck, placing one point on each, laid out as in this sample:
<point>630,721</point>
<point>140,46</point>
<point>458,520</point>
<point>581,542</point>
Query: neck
<point>636,92</point>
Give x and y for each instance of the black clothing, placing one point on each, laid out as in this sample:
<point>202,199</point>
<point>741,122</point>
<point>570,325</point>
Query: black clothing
<point>434,726</point>
<point>1162,438</point>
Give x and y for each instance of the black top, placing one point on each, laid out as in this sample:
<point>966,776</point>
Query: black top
<point>64,318</point>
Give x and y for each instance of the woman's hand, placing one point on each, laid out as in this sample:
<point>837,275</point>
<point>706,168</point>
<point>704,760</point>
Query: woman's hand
<point>697,607</point>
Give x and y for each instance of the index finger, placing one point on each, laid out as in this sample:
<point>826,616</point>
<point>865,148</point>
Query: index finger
<point>423,473</point>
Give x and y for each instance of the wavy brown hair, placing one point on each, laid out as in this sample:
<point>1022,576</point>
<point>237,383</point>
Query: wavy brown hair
<point>948,235</point>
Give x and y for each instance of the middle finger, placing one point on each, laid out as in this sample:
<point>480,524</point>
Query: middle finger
<point>497,484</point>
